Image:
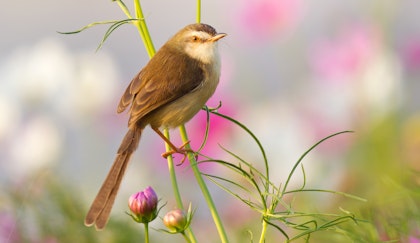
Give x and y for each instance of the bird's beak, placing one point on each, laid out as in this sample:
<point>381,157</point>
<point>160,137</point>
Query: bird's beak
<point>217,37</point>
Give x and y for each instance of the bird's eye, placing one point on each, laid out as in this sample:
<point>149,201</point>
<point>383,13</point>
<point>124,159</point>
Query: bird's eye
<point>195,38</point>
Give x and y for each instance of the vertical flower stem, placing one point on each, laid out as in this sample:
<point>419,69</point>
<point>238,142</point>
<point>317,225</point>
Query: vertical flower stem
<point>263,231</point>
<point>203,187</point>
<point>198,15</point>
<point>186,238</point>
<point>141,25</point>
<point>143,30</point>
<point>146,232</point>
<point>175,187</point>
<point>172,174</point>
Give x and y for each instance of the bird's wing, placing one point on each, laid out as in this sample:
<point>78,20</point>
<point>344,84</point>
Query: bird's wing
<point>163,80</point>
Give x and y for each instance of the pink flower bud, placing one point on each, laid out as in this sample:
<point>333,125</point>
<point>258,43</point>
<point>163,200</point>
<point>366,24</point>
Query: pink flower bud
<point>176,220</point>
<point>143,205</point>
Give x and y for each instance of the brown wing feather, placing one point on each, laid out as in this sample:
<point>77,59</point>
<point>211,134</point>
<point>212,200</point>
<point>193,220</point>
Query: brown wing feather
<point>129,93</point>
<point>157,84</point>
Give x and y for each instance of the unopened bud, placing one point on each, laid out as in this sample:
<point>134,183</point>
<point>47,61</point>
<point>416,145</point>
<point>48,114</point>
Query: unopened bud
<point>143,205</point>
<point>176,220</point>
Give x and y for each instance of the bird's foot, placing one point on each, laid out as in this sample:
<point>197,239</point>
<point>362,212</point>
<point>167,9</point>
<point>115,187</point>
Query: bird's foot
<point>180,150</point>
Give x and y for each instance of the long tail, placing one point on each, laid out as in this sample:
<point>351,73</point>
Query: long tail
<point>101,207</point>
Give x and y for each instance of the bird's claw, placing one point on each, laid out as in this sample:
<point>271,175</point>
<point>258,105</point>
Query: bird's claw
<point>180,150</point>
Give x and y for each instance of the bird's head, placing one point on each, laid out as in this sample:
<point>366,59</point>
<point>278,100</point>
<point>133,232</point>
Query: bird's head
<point>198,41</point>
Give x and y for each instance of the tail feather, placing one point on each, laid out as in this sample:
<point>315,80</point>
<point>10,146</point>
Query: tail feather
<point>98,213</point>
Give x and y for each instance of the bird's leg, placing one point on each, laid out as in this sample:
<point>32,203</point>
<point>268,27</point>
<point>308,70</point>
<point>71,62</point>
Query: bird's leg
<point>179,150</point>
<point>175,149</point>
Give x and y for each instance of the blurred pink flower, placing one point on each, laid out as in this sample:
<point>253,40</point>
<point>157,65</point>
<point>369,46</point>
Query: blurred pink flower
<point>345,55</point>
<point>8,228</point>
<point>261,19</point>
<point>220,128</point>
<point>411,54</point>
<point>413,239</point>
<point>322,125</point>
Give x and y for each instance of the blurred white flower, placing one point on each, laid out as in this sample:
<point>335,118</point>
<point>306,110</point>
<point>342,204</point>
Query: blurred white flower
<point>282,133</point>
<point>380,89</point>
<point>35,146</point>
<point>44,89</point>
<point>47,75</point>
<point>94,84</point>
<point>36,74</point>
<point>10,116</point>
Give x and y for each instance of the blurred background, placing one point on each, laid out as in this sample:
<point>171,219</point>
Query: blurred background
<point>293,72</point>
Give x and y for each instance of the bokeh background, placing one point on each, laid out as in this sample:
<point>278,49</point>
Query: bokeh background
<point>294,72</point>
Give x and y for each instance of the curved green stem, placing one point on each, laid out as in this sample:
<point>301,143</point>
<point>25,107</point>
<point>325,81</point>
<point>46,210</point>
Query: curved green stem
<point>203,187</point>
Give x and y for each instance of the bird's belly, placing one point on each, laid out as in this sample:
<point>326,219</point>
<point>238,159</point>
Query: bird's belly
<point>183,109</point>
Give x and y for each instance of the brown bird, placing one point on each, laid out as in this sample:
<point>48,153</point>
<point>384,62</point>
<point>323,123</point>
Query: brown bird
<point>166,93</point>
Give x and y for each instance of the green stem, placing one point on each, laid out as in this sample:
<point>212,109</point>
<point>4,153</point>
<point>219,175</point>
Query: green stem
<point>140,24</point>
<point>198,16</point>
<point>175,187</point>
<point>203,187</point>
<point>146,232</point>
<point>186,237</point>
<point>124,9</point>
<point>172,174</point>
<point>143,30</point>
<point>263,231</point>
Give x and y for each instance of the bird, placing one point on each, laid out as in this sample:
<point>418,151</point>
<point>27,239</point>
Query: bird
<point>173,86</point>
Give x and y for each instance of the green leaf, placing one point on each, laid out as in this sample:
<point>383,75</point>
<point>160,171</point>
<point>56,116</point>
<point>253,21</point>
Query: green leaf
<point>328,191</point>
<point>306,153</point>
<point>87,27</point>
<point>114,25</point>
<point>111,29</point>
<point>246,129</point>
